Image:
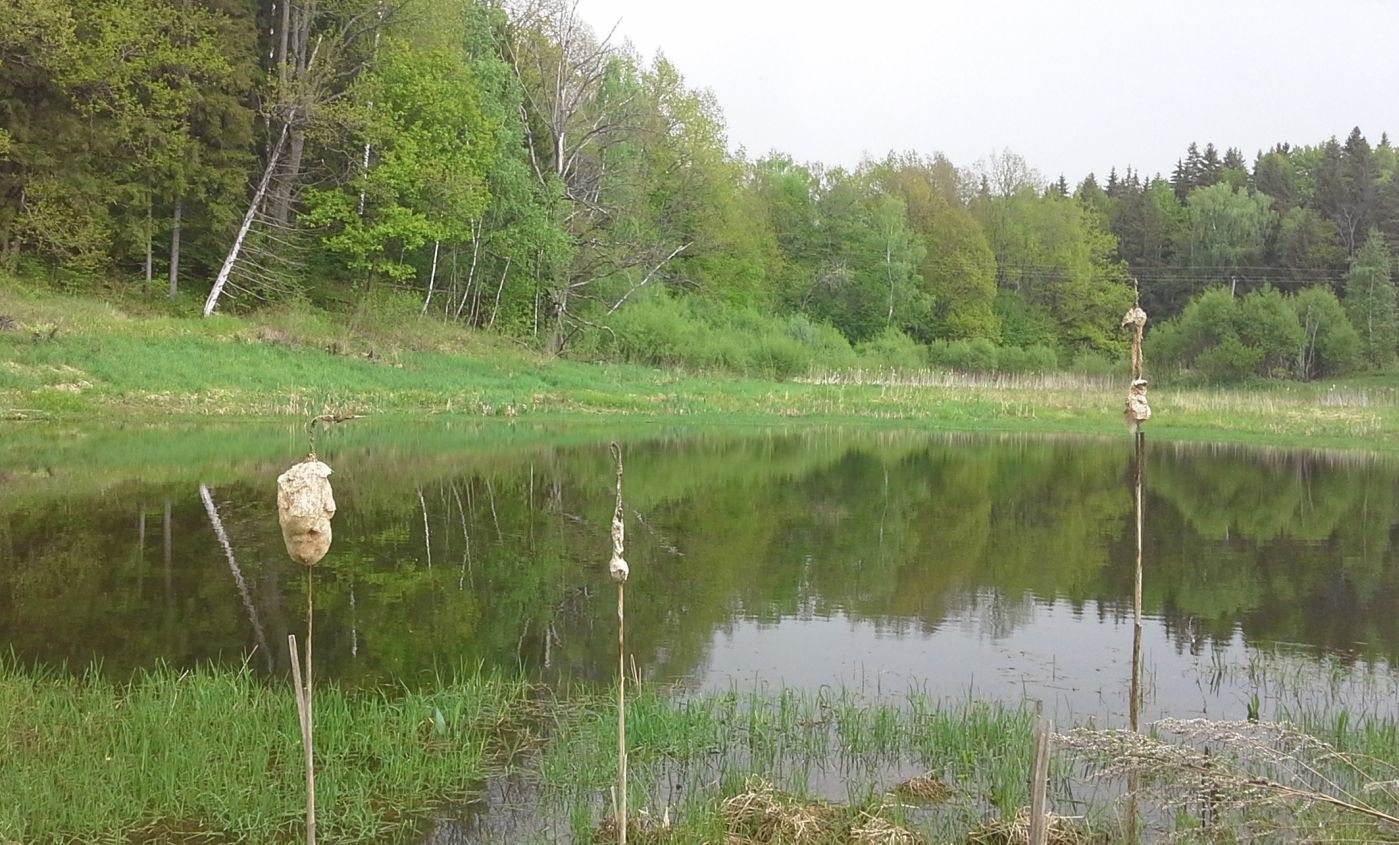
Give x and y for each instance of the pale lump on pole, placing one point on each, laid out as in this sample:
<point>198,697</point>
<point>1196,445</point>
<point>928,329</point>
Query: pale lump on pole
<point>305,505</point>
<point>618,568</point>
<point>1138,410</point>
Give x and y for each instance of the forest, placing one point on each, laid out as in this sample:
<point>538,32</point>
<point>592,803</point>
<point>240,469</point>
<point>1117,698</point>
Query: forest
<point>500,165</point>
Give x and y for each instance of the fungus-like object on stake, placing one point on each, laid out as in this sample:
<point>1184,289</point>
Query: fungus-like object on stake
<point>1135,316</point>
<point>1137,410</point>
<point>304,508</point>
<point>618,568</point>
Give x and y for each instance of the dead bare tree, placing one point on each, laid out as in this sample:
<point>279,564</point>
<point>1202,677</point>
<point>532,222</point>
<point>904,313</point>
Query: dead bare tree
<point>572,115</point>
<point>315,53</point>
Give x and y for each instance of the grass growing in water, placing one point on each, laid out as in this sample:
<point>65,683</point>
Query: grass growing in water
<point>689,754</point>
<point>215,754</point>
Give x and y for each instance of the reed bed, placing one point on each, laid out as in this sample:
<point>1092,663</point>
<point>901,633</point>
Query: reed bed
<point>956,379</point>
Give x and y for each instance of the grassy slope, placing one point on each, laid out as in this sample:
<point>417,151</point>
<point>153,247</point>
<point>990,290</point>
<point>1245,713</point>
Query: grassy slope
<point>142,363</point>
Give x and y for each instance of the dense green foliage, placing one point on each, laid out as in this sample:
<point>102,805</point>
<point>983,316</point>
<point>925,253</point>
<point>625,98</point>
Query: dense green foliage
<point>522,176</point>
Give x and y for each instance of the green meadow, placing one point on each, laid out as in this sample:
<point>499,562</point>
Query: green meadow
<point>75,358</point>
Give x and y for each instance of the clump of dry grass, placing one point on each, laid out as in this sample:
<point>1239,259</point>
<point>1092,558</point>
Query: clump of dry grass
<point>873,830</point>
<point>642,829</point>
<point>1062,831</point>
<point>923,789</point>
<point>760,813</point>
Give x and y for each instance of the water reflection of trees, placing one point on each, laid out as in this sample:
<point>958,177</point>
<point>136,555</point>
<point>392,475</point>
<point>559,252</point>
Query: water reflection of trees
<point>901,530</point>
<point>1289,547</point>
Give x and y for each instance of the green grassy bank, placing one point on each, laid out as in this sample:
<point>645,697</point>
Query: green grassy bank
<point>69,358</point>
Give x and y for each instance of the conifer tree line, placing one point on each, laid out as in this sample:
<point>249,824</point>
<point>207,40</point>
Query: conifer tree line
<point>511,169</point>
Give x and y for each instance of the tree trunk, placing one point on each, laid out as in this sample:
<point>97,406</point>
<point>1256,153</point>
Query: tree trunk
<point>471,273</point>
<point>150,246</point>
<point>175,246</point>
<point>432,277</point>
<point>280,210</point>
<point>212,302</point>
<point>558,336</point>
<point>294,62</point>
<point>889,269</point>
<point>499,288</point>
<point>282,41</point>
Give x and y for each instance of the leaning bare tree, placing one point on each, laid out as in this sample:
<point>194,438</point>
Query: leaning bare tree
<point>315,54</point>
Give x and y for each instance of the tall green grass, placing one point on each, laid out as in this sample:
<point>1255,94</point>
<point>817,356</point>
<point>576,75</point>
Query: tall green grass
<point>215,753</point>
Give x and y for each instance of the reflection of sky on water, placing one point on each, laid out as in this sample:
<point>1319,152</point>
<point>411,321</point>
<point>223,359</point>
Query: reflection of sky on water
<point>1076,660</point>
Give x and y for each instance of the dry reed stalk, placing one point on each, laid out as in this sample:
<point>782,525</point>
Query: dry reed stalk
<point>1245,767</point>
<point>304,507</point>
<point>619,570</point>
<point>303,713</point>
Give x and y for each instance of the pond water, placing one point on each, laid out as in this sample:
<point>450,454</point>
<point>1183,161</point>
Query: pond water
<point>990,566</point>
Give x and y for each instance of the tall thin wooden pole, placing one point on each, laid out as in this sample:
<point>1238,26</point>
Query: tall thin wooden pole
<point>619,570</point>
<point>621,717</point>
<point>302,679</point>
<point>1135,709</point>
<point>310,726</point>
<point>1134,705</point>
<point>1137,411</point>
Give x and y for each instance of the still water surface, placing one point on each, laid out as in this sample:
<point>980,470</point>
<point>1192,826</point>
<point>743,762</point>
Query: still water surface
<point>993,566</point>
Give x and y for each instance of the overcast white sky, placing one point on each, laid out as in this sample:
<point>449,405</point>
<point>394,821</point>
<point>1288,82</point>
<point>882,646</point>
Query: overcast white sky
<point>1073,86</point>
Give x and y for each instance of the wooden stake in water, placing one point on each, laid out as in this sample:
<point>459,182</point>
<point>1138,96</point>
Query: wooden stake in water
<point>1039,779</point>
<point>1135,706</point>
<point>1136,413</point>
<point>305,505</point>
<point>619,570</point>
<point>303,712</point>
